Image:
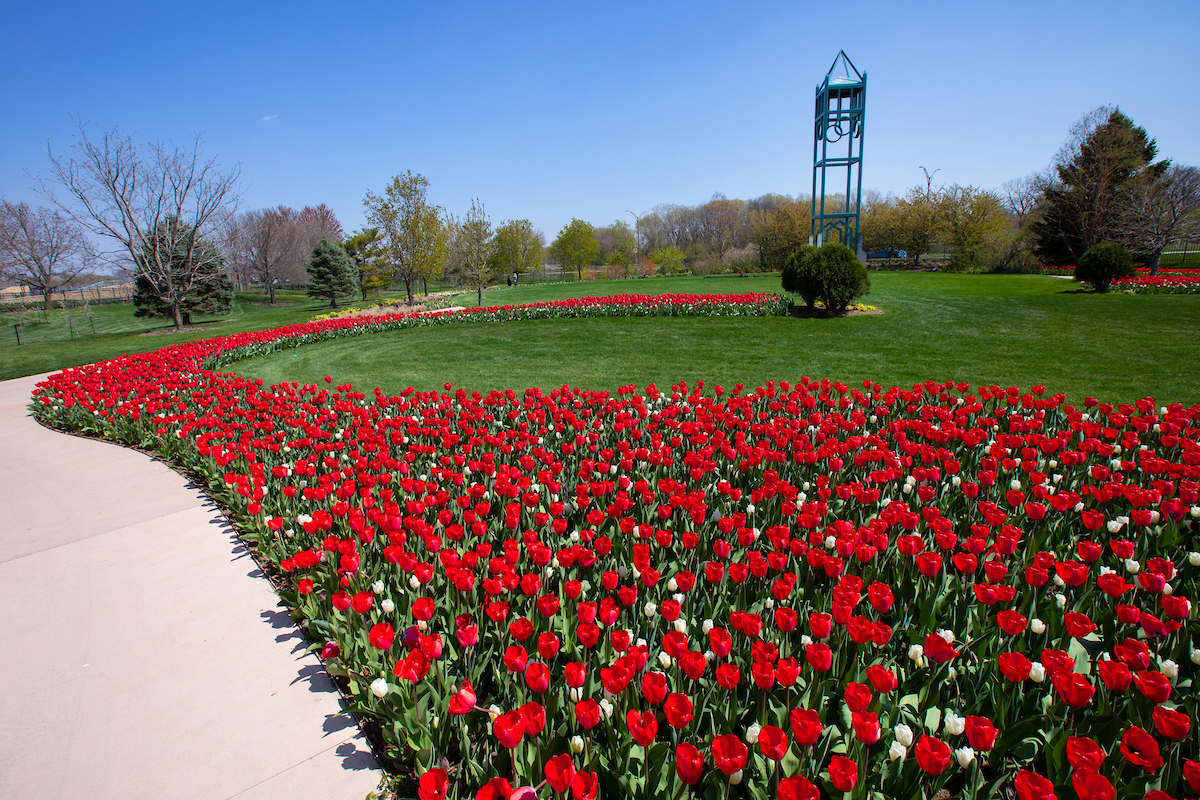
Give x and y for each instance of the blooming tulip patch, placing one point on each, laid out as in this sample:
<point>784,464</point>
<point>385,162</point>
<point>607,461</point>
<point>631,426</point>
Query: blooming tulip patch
<point>1169,280</point>
<point>798,590</point>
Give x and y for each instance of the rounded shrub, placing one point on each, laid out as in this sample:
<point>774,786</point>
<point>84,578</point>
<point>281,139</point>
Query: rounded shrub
<point>843,278</point>
<point>1102,264</point>
<point>801,275</point>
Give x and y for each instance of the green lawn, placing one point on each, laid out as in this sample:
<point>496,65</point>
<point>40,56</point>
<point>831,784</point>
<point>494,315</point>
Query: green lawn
<point>51,346</point>
<point>985,329</point>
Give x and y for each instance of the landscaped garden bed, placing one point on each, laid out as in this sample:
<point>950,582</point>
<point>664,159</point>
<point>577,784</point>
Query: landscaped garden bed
<point>781,591</point>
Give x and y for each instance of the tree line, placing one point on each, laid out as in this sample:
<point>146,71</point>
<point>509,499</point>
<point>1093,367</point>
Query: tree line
<point>171,220</point>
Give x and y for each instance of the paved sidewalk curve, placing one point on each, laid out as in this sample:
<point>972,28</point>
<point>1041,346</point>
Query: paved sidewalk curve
<point>143,653</point>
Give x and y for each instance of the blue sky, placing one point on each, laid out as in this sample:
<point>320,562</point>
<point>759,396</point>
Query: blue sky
<point>550,111</point>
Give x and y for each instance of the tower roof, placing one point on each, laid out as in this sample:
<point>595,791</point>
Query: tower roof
<point>843,72</point>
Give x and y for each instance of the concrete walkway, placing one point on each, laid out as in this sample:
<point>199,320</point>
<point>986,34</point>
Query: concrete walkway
<point>142,653</point>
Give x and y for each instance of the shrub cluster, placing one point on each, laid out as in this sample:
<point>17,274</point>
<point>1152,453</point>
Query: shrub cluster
<point>1104,263</point>
<point>830,273</point>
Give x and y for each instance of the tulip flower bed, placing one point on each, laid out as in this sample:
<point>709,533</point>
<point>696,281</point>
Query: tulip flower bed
<point>1170,280</point>
<point>794,591</point>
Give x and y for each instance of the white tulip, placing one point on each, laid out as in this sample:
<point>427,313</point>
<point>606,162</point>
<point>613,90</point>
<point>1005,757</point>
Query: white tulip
<point>1132,567</point>
<point>1194,559</point>
<point>752,733</point>
<point>1037,626</point>
<point>576,744</point>
<point>673,585</point>
<point>707,626</point>
<point>916,653</point>
<point>947,636</point>
<point>413,583</point>
<point>904,735</point>
<point>954,724</point>
<point>494,712</point>
<point>650,609</point>
<point>1060,600</point>
<point>1114,526</point>
<point>1196,656</point>
<point>1169,668</point>
<point>1037,673</point>
<point>681,625</point>
<point>965,756</point>
<point>387,605</point>
<point>736,778</point>
<point>897,752</point>
<point>665,660</point>
<point>379,687</point>
<point>377,587</point>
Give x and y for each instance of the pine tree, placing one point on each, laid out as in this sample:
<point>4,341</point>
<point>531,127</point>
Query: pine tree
<point>201,282</point>
<point>331,273</point>
<point>1083,205</point>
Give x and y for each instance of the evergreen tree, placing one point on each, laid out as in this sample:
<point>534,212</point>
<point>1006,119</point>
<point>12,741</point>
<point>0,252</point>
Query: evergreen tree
<point>210,290</point>
<point>331,273</point>
<point>1084,204</point>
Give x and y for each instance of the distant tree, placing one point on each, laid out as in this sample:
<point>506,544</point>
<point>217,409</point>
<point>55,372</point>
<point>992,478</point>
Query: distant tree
<point>132,193</point>
<point>472,245</point>
<point>1102,264</point>
<point>415,237</point>
<point>723,225</point>
<point>331,273</point>
<point>882,225</point>
<point>669,260</point>
<point>1083,203</point>
<point>518,248</point>
<point>972,221</point>
<point>197,262</point>
<point>918,222</point>
<point>268,243</point>
<point>40,248</point>
<point>366,249</point>
<point>779,229</point>
<point>575,246</point>
<point>617,246</point>
<point>1161,212</point>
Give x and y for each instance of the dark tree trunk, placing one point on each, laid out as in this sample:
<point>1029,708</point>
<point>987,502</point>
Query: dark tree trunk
<point>478,296</point>
<point>1154,263</point>
<point>49,297</point>
<point>177,316</point>
<point>271,292</point>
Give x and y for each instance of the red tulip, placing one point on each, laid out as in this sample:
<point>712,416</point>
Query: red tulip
<point>843,773</point>
<point>1031,786</point>
<point>866,726</point>
<point>534,716</point>
<point>464,699</point>
<point>1191,774</point>
<point>1153,685</point>
<point>819,656</point>
<point>434,785</point>
<point>728,676</point>
<point>509,729</point>
<point>575,674</point>
<point>380,636</point>
<point>1084,753</point>
<point>858,696</point>
<point>981,733</point>
<point>495,789</point>
<point>938,650</point>
<point>1091,785</point>
<point>689,763</point>
<point>933,755</point>
<point>678,708</point>
<point>729,753</point>
<point>1074,689</point>
<point>882,678</point>
<point>1171,724</point>
<point>537,676</point>
<point>587,713</point>
<point>642,727</point>
<point>586,786</point>
<point>1140,749</point>
<point>560,772</point>
<point>798,788</point>
<point>1115,675</point>
<point>806,726</point>
<point>773,742</point>
<point>1014,666</point>
<point>654,687</point>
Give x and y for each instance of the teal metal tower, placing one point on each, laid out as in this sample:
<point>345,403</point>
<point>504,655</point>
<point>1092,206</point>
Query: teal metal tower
<point>837,156</point>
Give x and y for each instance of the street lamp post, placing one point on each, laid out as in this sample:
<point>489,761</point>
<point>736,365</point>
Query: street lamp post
<point>637,222</point>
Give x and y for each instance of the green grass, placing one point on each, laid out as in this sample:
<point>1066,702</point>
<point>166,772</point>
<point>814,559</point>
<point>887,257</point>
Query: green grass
<point>986,329</point>
<point>118,331</point>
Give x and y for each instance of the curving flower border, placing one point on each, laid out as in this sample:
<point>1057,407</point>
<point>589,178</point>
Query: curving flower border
<point>498,576</point>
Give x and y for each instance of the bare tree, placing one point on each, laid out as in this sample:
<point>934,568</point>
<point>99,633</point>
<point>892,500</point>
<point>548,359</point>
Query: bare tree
<point>154,201</point>
<point>268,242</point>
<point>41,248</point>
<point>472,246</point>
<point>1161,212</point>
<point>1023,196</point>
